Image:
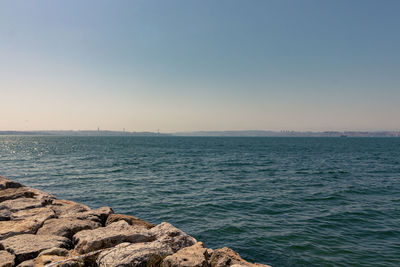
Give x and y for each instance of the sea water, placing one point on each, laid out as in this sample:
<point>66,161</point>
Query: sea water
<point>278,201</point>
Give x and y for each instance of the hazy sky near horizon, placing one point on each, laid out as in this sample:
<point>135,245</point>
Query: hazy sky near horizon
<point>200,65</point>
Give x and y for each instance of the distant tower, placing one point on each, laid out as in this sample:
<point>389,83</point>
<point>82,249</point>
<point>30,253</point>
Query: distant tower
<point>158,131</point>
<point>98,128</point>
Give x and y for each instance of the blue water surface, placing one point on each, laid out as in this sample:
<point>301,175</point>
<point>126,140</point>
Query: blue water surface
<point>278,201</point>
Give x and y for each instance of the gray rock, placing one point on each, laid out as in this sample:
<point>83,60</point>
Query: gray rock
<point>66,227</point>
<point>5,215</point>
<point>6,183</point>
<point>27,226</point>
<point>224,257</point>
<point>28,263</point>
<point>29,213</point>
<point>66,208</point>
<point>18,204</point>
<point>99,215</point>
<point>14,193</point>
<point>24,192</point>
<point>55,251</point>
<point>131,220</point>
<point>28,246</point>
<point>6,259</point>
<point>113,234</point>
<point>44,260</point>
<point>193,256</point>
<point>139,254</point>
<point>172,236</point>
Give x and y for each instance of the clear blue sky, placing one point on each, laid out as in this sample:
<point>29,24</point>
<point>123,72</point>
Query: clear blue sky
<point>200,65</point>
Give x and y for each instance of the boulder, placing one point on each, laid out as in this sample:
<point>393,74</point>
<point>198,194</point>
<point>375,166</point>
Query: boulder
<point>6,183</point>
<point>28,263</point>
<point>99,215</point>
<point>113,234</point>
<point>66,227</point>
<point>28,213</point>
<point>18,204</point>
<point>24,192</point>
<point>138,254</point>
<point>28,246</point>
<point>27,226</point>
<point>14,193</point>
<point>193,256</point>
<point>66,208</point>
<point>131,220</point>
<point>5,215</point>
<point>224,257</point>
<point>55,251</point>
<point>53,259</point>
<point>172,236</point>
<point>6,259</point>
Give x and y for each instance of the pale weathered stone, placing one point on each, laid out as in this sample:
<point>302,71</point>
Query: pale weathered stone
<point>55,251</point>
<point>5,215</point>
<point>113,234</point>
<point>67,208</point>
<point>28,213</point>
<point>6,259</point>
<point>27,226</point>
<point>131,220</point>
<point>44,260</point>
<point>98,215</point>
<point>224,257</point>
<point>193,256</point>
<point>18,204</point>
<point>7,183</point>
<point>24,192</point>
<point>28,246</point>
<point>66,227</point>
<point>139,254</point>
<point>172,236</point>
<point>14,193</point>
<point>28,263</point>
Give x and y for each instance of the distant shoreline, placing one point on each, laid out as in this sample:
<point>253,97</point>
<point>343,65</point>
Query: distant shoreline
<point>255,133</point>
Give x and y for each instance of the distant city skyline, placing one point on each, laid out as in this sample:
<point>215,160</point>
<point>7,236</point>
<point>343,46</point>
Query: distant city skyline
<point>181,66</point>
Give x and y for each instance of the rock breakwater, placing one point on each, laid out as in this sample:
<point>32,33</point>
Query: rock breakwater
<point>37,229</point>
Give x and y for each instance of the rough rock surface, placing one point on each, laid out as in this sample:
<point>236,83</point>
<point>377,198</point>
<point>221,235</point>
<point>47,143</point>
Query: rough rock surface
<point>66,227</point>
<point>48,259</point>
<point>21,204</point>
<point>65,207</point>
<point>172,236</point>
<point>14,193</point>
<point>27,226</point>
<point>7,183</point>
<point>224,257</point>
<point>113,234</point>
<point>193,256</point>
<point>139,254</point>
<point>6,259</point>
<point>99,215</point>
<point>131,220</point>
<point>28,263</point>
<point>5,215</point>
<point>28,246</point>
<point>24,192</point>
<point>55,251</point>
<point>29,213</point>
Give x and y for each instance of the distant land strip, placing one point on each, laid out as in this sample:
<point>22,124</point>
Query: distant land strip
<point>250,133</point>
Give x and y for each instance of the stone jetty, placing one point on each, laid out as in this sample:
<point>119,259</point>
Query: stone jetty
<point>37,229</point>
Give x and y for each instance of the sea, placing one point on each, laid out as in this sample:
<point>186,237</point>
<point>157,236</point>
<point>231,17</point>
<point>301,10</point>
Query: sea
<point>278,201</point>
